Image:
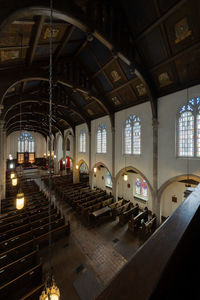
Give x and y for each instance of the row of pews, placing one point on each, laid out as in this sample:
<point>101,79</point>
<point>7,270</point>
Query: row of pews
<point>22,233</point>
<point>96,205</point>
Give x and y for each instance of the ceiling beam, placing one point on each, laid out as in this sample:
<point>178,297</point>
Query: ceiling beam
<point>64,42</point>
<point>83,45</point>
<point>41,131</point>
<point>36,33</point>
<point>161,19</point>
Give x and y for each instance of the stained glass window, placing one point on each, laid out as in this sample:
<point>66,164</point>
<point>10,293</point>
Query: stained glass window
<point>83,168</point>
<point>101,139</point>
<point>82,141</point>
<point>144,188</point>
<point>189,129</point>
<point>108,180</point>
<point>138,186</point>
<point>26,143</point>
<point>198,134</point>
<point>132,135</point>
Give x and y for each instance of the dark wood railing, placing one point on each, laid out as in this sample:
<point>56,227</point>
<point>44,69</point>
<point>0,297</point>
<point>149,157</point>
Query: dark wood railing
<point>167,265</point>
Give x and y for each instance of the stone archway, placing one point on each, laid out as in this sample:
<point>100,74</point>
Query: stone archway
<point>131,168</point>
<point>91,177</point>
<point>169,182</point>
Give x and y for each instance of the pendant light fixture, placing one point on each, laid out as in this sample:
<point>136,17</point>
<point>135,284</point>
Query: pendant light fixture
<point>12,175</point>
<point>125,174</point>
<point>20,195</point>
<point>14,181</point>
<point>95,170</point>
<point>51,291</point>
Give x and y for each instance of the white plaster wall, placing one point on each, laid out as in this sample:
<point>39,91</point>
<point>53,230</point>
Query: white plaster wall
<point>79,155</point>
<point>105,158</point>
<point>12,144</point>
<point>143,162</point>
<point>60,147</point>
<point>128,193</point>
<point>99,182</point>
<point>168,164</point>
<point>174,189</point>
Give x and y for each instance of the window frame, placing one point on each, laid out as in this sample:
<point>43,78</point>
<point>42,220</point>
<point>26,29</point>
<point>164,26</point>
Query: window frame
<point>100,129</point>
<point>193,106</point>
<point>82,143</point>
<point>133,119</point>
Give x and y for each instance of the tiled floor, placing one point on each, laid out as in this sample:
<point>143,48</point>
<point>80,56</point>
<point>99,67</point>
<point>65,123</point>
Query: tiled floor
<point>102,251</point>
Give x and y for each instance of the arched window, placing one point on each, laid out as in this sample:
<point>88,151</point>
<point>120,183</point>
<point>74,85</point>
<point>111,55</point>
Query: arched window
<point>82,141</point>
<point>26,143</point>
<point>132,135</point>
<point>189,129</point>
<point>68,145</point>
<point>108,180</point>
<point>101,139</point>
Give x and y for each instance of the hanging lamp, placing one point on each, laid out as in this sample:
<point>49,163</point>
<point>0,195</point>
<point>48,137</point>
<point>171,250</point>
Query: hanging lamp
<point>51,291</point>
<point>20,195</point>
<point>12,175</point>
<point>14,181</point>
<point>95,170</point>
<point>125,177</point>
<point>76,167</point>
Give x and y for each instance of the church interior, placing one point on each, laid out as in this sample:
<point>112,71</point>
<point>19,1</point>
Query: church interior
<point>99,149</point>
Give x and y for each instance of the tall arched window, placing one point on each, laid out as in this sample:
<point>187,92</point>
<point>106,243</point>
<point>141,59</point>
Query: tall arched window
<point>26,143</point>
<point>189,129</point>
<point>82,141</point>
<point>132,135</point>
<point>101,139</point>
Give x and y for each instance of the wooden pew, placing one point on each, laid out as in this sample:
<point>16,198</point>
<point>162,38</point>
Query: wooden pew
<point>149,226</point>
<point>135,222</point>
<point>126,215</point>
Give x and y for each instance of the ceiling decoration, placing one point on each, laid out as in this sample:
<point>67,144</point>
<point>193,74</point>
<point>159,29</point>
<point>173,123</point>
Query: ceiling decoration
<point>136,51</point>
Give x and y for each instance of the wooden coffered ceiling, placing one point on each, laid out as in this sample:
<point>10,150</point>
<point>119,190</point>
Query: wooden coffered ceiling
<point>129,52</point>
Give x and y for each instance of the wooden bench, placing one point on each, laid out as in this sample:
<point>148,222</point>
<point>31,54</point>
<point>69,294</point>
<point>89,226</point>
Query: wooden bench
<point>126,215</point>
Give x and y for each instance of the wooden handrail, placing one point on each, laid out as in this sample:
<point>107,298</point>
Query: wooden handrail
<point>155,266</point>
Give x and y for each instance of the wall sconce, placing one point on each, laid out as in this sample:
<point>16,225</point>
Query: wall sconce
<point>125,177</point>
<point>11,166</point>
<point>10,157</point>
<point>76,167</point>
<point>63,162</point>
<point>44,154</point>
<point>95,170</point>
<point>54,156</point>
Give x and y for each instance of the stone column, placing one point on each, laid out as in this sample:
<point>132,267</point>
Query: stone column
<point>2,160</point>
<point>155,204</point>
<point>75,171</point>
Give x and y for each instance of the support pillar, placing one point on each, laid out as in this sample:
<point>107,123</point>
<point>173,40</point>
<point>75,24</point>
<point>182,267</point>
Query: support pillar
<point>75,171</point>
<point>2,161</point>
<point>155,204</point>
<point>113,164</point>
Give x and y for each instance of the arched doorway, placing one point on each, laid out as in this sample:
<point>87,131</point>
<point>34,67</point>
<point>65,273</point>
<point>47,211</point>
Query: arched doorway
<point>171,193</point>
<point>133,185</point>
<point>83,172</point>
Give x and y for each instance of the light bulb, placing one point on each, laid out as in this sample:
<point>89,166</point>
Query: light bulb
<point>76,167</point>
<point>125,177</point>
<point>95,170</point>
<point>11,166</point>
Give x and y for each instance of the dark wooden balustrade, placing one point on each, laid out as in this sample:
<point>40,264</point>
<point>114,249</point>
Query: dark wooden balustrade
<point>167,265</point>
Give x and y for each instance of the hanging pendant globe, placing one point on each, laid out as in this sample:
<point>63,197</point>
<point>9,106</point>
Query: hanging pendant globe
<point>14,181</point>
<point>20,201</point>
<point>12,175</point>
<point>50,293</point>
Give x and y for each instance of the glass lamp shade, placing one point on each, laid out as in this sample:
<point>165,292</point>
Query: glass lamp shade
<point>14,181</point>
<point>95,170</point>
<point>76,167</point>
<point>125,177</point>
<point>51,293</point>
<point>20,201</point>
<point>12,175</point>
